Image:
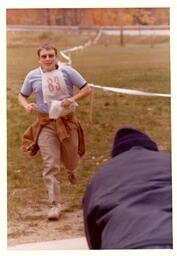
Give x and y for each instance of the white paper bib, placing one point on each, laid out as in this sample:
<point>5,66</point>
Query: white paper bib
<point>53,85</point>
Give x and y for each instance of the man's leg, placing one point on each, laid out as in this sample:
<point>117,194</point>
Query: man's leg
<point>50,151</point>
<point>69,155</point>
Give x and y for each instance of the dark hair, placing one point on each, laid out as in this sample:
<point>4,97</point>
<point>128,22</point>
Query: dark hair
<point>46,46</point>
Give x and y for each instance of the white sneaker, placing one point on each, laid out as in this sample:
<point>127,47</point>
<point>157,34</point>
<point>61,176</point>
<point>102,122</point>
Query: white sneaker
<point>54,212</point>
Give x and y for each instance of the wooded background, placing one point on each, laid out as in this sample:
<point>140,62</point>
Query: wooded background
<point>89,16</point>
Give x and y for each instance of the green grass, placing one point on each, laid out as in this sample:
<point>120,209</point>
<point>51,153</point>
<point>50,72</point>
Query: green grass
<point>136,66</point>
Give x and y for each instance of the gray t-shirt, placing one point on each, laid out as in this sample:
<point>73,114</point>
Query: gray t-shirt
<point>33,83</point>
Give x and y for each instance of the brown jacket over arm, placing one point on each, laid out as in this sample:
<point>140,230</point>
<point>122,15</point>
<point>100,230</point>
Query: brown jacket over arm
<point>63,125</point>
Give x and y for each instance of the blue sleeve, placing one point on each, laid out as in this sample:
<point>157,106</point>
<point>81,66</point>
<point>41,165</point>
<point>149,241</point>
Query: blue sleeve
<point>27,89</point>
<point>90,213</point>
<point>75,77</point>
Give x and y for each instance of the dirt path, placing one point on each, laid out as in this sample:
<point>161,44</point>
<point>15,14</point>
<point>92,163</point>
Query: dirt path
<point>36,228</point>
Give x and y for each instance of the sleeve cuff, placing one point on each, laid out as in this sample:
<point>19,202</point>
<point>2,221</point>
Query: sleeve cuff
<point>24,95</point>
<point>83,85</point>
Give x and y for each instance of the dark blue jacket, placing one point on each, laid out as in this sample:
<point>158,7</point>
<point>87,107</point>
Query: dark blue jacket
<point>128,203</point>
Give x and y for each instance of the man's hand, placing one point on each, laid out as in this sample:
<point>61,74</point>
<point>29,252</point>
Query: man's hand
<point>67,102</point>
<point>31,107</point>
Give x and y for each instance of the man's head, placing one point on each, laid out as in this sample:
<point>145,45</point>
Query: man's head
<point>127,138</point>
<point>47,57</point>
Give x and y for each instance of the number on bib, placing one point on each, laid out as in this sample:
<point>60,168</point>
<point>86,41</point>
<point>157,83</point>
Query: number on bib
<point>57,82</point>
<point>50,84</point>
<point>53,84</point>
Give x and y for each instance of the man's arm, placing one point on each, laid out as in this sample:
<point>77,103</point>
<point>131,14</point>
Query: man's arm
<point>29,107</point>
<point>84,92</point>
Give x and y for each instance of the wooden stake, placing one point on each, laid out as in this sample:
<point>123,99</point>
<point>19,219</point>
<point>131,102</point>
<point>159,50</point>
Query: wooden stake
<point>91,106</point>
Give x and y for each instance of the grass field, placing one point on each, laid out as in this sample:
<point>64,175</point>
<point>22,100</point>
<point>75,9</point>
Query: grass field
<point>137,66</point>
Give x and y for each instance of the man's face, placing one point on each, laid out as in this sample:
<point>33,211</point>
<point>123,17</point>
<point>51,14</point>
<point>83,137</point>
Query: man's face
<point>47,60</point>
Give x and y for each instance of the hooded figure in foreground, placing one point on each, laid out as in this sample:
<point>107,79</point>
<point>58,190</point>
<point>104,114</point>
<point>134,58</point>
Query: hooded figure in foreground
<point>128,204</point>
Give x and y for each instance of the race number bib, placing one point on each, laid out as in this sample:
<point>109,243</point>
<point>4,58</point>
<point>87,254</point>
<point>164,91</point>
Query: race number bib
<point>53,86</point>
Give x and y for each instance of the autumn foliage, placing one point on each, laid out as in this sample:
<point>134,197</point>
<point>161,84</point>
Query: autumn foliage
<point>89,17</point>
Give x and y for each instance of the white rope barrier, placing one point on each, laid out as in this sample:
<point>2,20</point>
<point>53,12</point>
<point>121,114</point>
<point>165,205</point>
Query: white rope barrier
<point>130,91</point>
<point>66,57</point>
<point>106,88</point>
<point>80,47</point>
<point>97,37</point>
<point>74,48</point>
